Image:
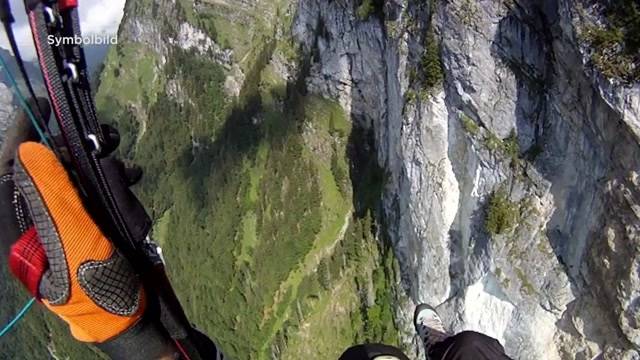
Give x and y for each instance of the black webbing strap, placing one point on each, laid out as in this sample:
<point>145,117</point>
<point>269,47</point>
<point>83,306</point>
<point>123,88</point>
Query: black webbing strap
<point>58,94</point>
<point>68,110</point>
<point>81,85</point>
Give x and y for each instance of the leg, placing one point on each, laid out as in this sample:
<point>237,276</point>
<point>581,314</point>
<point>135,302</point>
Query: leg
<point>373,352</point>
<point>467,345</point>
<point>439,344</point>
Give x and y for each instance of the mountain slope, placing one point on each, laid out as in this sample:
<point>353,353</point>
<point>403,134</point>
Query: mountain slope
<point>248,176</point>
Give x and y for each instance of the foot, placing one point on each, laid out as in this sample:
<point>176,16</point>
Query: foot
<point>429,326</point>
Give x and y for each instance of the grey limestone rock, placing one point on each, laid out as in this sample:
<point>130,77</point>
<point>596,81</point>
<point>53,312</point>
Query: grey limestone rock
<point>563,283</point>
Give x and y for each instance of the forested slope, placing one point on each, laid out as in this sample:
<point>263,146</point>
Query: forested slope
<point>269,230</point>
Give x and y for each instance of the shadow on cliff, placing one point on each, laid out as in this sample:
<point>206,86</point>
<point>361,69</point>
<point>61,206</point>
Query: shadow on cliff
<point>523,43</point>
<point>476,251</point>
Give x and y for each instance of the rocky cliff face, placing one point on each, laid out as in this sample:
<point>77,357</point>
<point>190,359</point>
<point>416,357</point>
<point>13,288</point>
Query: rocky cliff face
<point>522,129</point>
<point>6,109</point>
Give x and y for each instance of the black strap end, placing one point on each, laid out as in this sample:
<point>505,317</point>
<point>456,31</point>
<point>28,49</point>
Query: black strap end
<point>5,12</point>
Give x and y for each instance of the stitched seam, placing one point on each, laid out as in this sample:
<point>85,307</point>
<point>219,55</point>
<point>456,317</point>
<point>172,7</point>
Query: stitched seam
<point>85,283</point>
<point>30,183</point>
<point>5,178</point>
<point>26,262</point>
<point>19,212</point>
<point>84,268</point>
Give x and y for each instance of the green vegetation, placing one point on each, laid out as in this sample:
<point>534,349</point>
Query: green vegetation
<point>429,72</point>
<point>509,147</point>
<point>410,96</point>
<point>379,318</point>
<point>186,11</point>
<point>254,198</point>
<point>467,12</point>
<point>134,81</point>
<point>616,45</point>
<point>431,61</point>
<point>468,124</point>
<point>206,22</point>
<point>492,142</point>
<point>502,214</point>
<point>525,285</point>
<point>366,9</point>
<point>356,267</point>
<point>37,331</point>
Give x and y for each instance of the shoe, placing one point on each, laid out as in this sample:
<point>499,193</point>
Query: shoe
<point>429,326</point>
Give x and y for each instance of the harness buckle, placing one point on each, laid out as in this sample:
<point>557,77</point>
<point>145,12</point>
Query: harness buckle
<point>96,143</point>
<point>72,71</point>
<point>50,16</point>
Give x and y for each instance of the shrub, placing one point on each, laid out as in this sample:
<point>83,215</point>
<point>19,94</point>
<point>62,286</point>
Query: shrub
<point>469,125</point>
<point>511,147</point>
<point>410,96</point>
<point>365,9</point>
<point>625,15</point>
<point>431,63</point>
<point>492,142</point>
<point>467,11</point>
<point>502,214</point>
<point>616,45</point>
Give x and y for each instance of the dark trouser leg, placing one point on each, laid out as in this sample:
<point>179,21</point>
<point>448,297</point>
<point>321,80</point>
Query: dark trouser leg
<point>467,345</point>
<point>370,351</point>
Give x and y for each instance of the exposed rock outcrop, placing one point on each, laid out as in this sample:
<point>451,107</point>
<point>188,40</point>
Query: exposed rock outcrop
<point>520,111</point>
<point>6,110</point>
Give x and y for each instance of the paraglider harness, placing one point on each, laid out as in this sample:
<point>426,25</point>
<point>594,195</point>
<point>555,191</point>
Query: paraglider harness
<point>84,148</point>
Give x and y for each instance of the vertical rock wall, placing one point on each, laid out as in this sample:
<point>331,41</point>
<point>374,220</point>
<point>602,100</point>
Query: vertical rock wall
<point>562,283</point>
